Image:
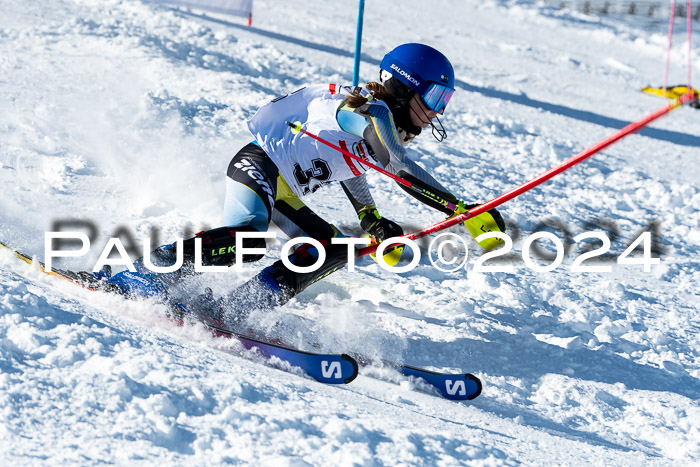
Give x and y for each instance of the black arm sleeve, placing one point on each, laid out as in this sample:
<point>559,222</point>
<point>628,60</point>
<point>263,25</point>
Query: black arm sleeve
<point>423,199</point>
<point>358,193</point>
<point>382,137</point>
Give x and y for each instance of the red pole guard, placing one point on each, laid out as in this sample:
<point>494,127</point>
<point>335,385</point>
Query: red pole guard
<point>585,154</point>
<point>351,155</point>
<point>402,181</point>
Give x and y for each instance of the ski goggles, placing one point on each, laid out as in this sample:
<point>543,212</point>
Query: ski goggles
<point>437,96</point>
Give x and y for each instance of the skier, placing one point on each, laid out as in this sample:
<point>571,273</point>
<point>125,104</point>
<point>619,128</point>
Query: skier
<point>266,178</point>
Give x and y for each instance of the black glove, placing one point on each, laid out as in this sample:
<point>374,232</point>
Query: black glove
<point>379,227</point>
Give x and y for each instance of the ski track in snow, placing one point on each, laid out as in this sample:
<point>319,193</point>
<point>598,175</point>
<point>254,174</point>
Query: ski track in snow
<point>126,114</point>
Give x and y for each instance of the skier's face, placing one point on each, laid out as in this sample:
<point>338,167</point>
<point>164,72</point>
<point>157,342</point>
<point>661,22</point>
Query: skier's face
<point>421,115</point>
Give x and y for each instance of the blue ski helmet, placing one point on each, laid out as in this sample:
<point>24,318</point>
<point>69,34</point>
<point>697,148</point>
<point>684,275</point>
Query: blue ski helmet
<point>424,70</point>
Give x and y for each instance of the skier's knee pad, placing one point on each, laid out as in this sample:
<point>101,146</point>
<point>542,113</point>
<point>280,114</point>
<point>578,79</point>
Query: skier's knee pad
<point>219,246</point>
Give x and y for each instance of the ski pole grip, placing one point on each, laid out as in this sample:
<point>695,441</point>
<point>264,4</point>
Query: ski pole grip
<point>296,126</point>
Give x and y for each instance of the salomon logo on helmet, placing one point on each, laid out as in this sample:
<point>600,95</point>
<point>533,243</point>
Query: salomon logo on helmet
<point>405,75</point>
<point>419,65</point>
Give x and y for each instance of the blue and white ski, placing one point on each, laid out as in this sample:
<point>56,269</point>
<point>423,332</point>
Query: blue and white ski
<point>452,386</point>
<point>323,367</point>
<point>456,387</point>
<point>326,368</point>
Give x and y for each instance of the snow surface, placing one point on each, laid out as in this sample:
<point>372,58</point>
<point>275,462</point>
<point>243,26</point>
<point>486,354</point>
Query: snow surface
<point>126,114</point>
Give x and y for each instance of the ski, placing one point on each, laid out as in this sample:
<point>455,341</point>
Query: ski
<point>456,387</point>
<point>327,368</point>
<point>323,367</point>
<point>452,386</point>
<point>60,273</point>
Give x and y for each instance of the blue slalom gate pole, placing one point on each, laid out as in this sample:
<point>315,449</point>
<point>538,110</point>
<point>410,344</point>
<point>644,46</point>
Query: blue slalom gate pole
<point>358,44</point>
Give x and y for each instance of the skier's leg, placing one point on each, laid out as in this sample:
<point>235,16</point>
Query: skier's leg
<point>295,219</point>
<point>250,190</point>
<point>243,206</point>
<point>277,284</point>
<point>250,194</point>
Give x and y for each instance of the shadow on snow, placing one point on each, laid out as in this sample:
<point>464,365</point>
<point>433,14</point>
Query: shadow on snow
<point>675,137</point>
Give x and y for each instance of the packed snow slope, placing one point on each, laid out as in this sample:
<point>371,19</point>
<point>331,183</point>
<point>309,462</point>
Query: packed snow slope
<point>119,118</point>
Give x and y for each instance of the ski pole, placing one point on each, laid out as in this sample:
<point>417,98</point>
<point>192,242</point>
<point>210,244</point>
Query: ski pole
<point>586,153</point>
<point>428,194</point>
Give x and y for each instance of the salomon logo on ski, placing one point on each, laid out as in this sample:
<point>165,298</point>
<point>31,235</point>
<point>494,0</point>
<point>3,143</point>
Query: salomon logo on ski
<point>327,369</point>
<point>455,388</point>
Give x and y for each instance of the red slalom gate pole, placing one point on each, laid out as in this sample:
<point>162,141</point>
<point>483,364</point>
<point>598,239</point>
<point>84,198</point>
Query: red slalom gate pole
<point>585,154</point>
<point>297,127</point>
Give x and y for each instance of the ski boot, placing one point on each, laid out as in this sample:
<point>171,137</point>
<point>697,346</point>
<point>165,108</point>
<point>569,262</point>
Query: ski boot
<point>124,283</point>
<point>135,284</point>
